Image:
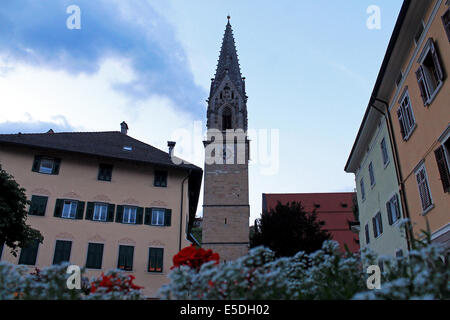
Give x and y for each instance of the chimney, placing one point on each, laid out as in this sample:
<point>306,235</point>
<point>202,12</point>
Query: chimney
<point>171,145</point>
<point>124,128</point>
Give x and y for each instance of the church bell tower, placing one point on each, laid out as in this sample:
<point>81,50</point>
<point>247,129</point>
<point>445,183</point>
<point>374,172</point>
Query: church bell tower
<point>226,206</point>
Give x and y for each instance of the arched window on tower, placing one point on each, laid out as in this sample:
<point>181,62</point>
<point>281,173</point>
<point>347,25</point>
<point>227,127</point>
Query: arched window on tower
<point>226,119</point>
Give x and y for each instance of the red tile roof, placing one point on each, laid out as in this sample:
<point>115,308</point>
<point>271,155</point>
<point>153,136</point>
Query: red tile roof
<point>335,209</point>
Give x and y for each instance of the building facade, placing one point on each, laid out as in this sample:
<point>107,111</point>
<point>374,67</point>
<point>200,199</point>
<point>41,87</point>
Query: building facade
<point>380,209</point>
<point>412,94</point>
<point>226,208</point>
<point>335,209</point>
<point>103,200</point>
<point>419,106</point>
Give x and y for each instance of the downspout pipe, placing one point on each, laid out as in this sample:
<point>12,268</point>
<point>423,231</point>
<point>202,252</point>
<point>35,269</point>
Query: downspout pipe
<point>181,209</point>
<point>398,171</point>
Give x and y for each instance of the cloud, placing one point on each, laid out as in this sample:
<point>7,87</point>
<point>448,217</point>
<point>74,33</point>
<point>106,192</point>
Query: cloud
<point>59,124</point>
<point>35,33</point>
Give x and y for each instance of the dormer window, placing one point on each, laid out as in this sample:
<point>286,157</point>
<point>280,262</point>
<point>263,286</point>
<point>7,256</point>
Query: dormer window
<point>128,148</point>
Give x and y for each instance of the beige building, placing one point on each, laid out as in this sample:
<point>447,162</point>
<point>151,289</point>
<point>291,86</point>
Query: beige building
<point>103,200</point>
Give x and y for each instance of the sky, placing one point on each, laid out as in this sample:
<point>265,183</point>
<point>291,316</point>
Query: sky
<point>310,67</point>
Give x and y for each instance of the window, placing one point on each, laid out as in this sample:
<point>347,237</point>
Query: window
<point>424,189</point>
<point>160,178</point>
<point>399,253</point>
<point>393,210</point>
<point>384,152</point>
<point>69,209</point>
<point>129,215</point>
<point>94,256</point>
<point>371,175</point>
<point>430,74</point>
<point>406,116</point>
<point>377,225</point>
<point>100,212</point>
<point>155,259</point>
<point>46,165</point>
<point>226,119</point>
<point>96,211</point>
<point>363,191</point>
<point>443,164</point>
<point>38,206</point>
<point>367,234</point>
<point>125,258</point>
<point>105,172</point>
<point>62,251</point>
<point>158,217</point>
<point>28,255</point>
<point>446,22</point>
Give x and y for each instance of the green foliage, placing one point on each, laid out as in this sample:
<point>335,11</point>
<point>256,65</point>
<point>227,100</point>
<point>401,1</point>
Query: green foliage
<point>14,232</point>
<point>289,229</point>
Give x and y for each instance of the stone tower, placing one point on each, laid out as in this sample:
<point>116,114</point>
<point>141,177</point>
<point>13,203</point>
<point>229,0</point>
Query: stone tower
<point>226,203</point>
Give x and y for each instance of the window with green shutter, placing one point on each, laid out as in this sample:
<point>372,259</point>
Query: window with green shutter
<point>125,261</point>
<point>94,256</point>
<point>160,178</point>
<point>46,165</point>
<point>38,205</point>
<point>62,251</point>
<point>28,255</point>
<point>155,259</point>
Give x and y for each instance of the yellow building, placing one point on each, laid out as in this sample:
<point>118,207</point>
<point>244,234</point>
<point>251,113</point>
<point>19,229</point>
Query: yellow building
<point>103,200</point>
<point>414,88</point>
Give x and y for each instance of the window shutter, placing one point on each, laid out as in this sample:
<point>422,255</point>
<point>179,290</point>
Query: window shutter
<point>80,210</point>
<point>437,62</point>
<point>159,259</point>
<point>148,216</point>
<point>56,166</point>
<point>389,212</point>
<point>422,86</point>
<point>367,234</point>
<point>168,217</point>
<point>119,214</point>
<point>58,208</point>
<point>380,221</point>
<point>90,211</point>
<point>139,215</point>
<point>397,206</point>
<point>443,168</point>
<point>110,216</point>
<point>38,205</point>
<point>401,121</point>
<point>374,223</point>
<point>36,164</point>
<point>446,22</point>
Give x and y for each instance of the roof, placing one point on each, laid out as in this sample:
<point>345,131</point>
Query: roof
<point>109,144</point>
<point>228,63</point>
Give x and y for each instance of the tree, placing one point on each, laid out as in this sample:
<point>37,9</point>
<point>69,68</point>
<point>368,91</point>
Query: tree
<point>289,229</point>
<point>14,232</point>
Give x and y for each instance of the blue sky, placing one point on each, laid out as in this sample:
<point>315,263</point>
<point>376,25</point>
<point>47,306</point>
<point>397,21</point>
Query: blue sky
<point>310,69</point>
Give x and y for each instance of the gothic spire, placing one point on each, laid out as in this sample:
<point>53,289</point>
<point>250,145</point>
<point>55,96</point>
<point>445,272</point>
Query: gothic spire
<point>228,63</point>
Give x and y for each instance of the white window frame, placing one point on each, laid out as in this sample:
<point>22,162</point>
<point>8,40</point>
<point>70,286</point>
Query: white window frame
<point>72,213</point>
<point>43,169</point>
<point>158,216</point>
<point>384,152</point>
<point>129,215</point>
<point>362,188</point>
<point>392,203</point>
<point>100,212</point>
<point>371,175</point>
<point>422,168</point>
<point>407,115</point>
<point>426,74</point>
<point>378,223</point>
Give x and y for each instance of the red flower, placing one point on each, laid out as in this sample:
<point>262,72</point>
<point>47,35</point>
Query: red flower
<point>194,257</point>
